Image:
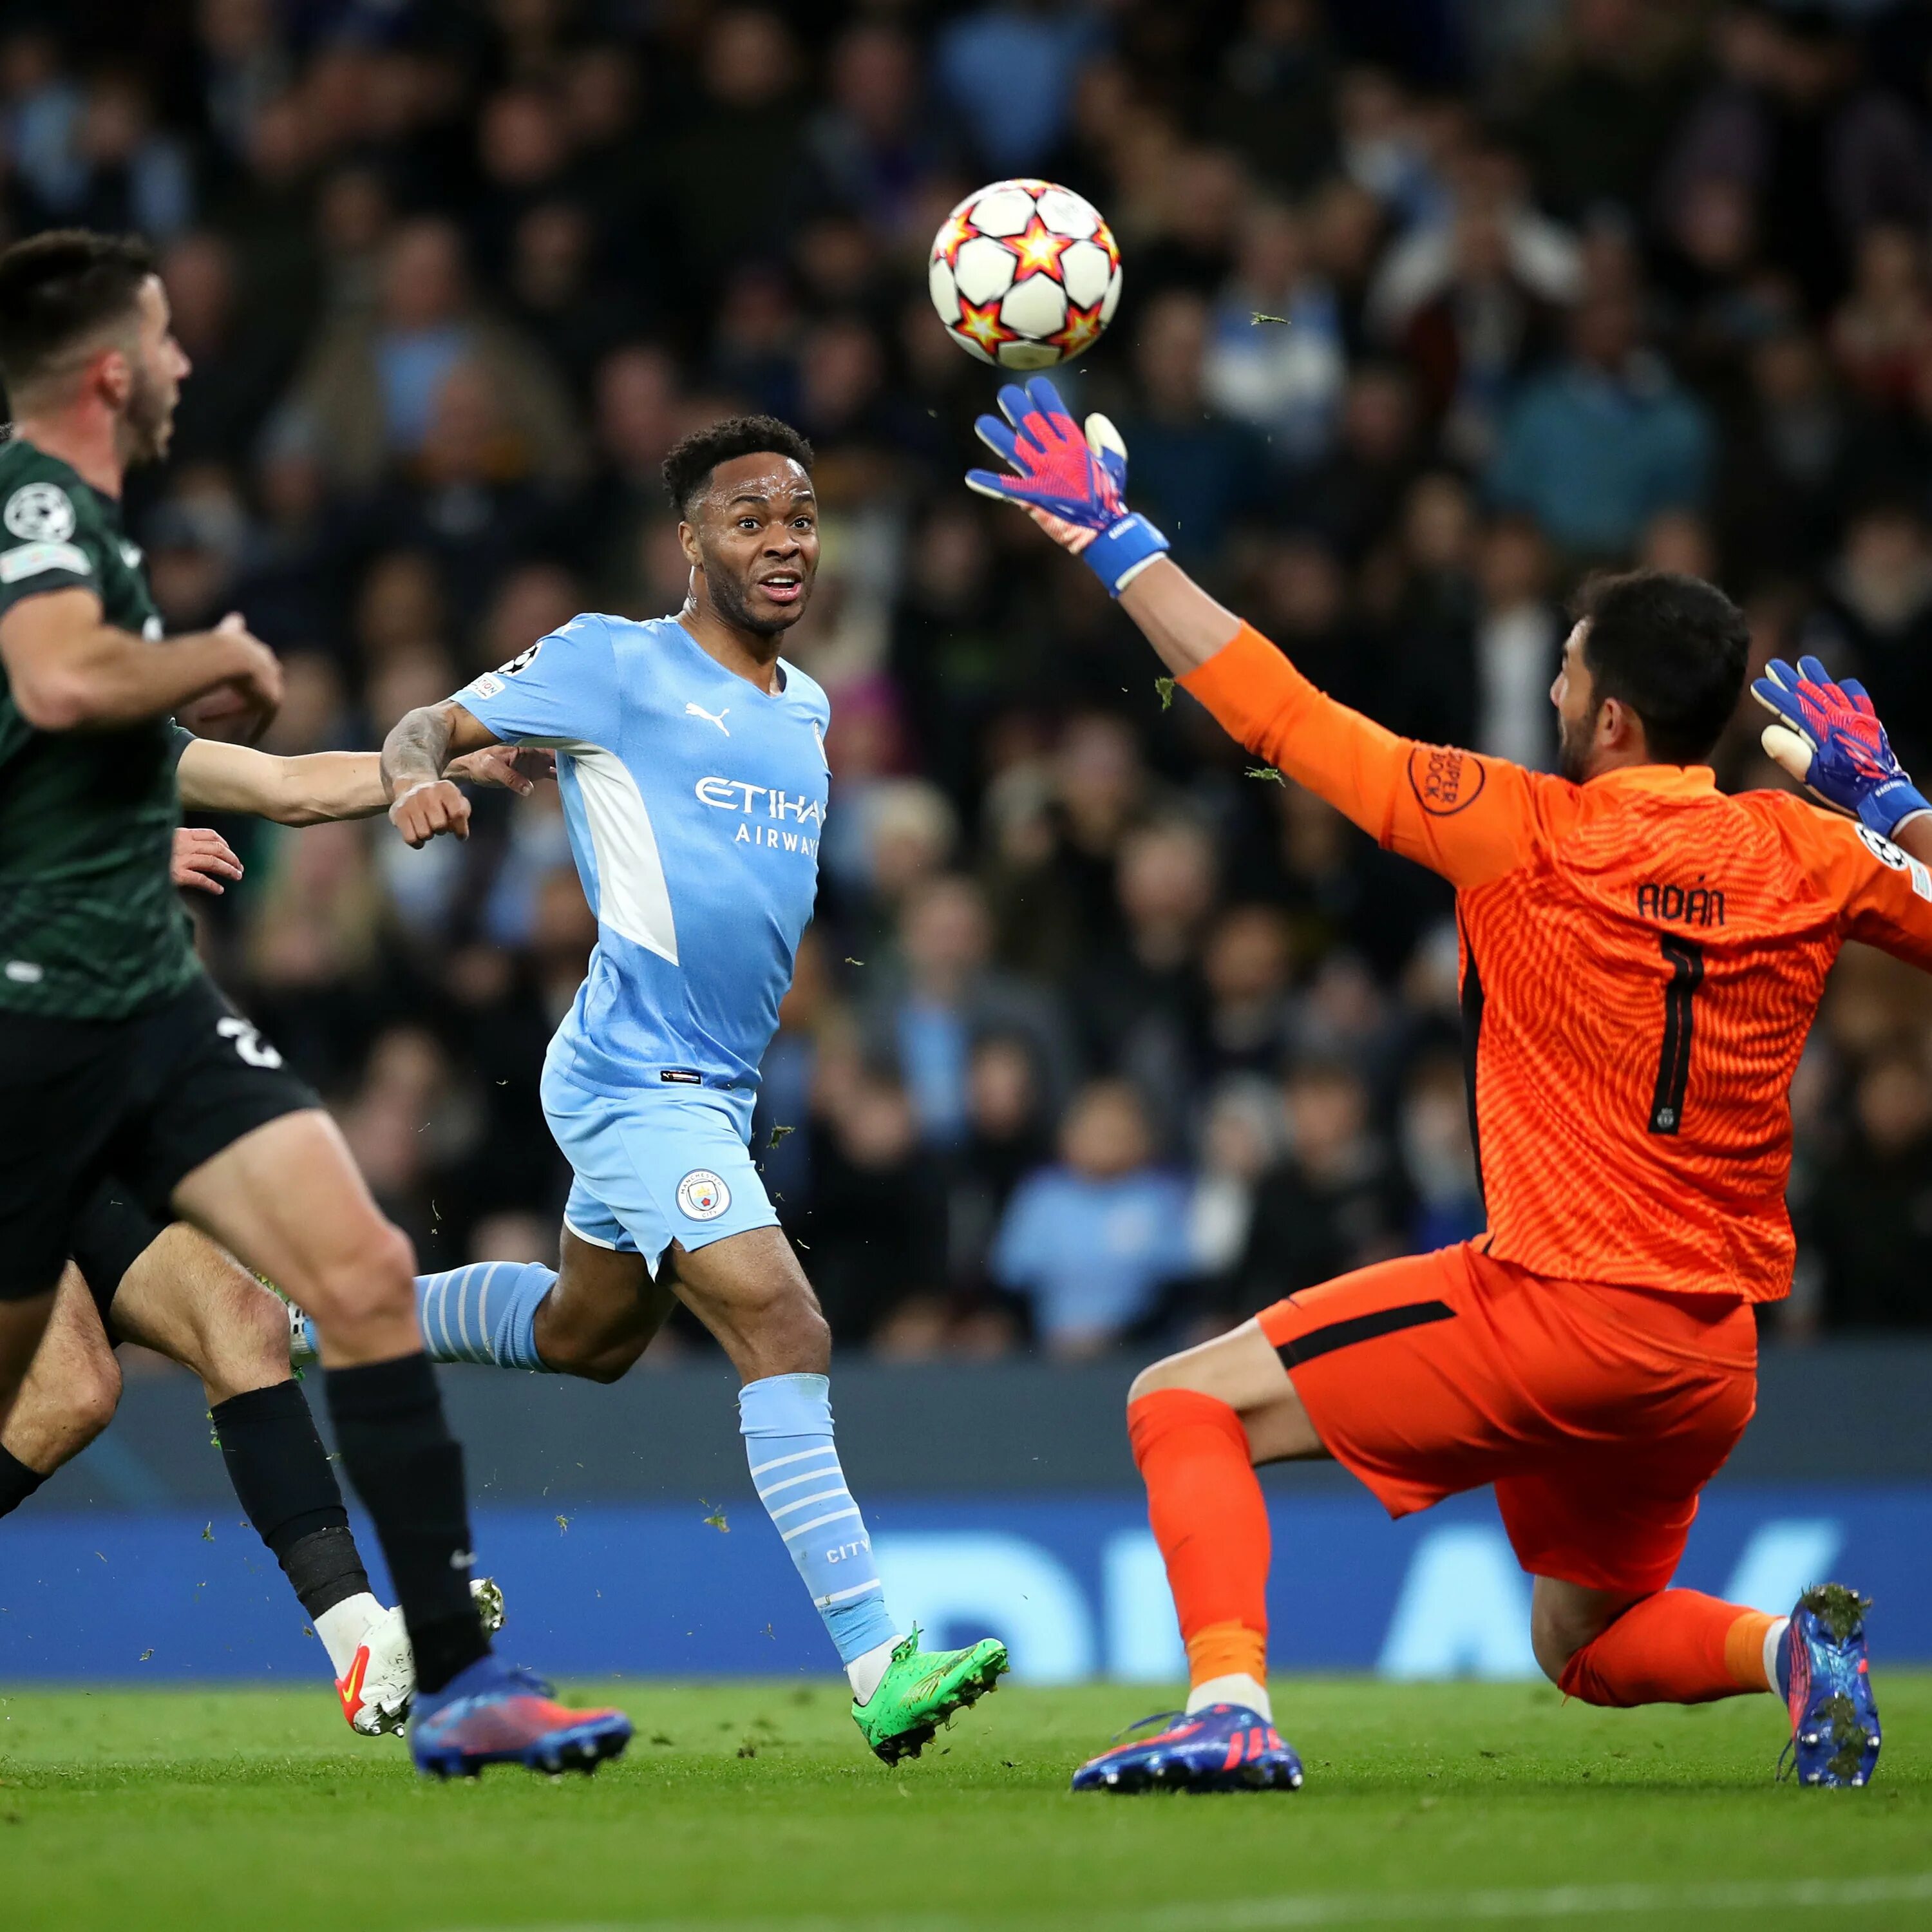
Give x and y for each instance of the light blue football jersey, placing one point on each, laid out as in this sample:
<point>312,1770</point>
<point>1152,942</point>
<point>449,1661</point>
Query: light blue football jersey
<point>695,802</point>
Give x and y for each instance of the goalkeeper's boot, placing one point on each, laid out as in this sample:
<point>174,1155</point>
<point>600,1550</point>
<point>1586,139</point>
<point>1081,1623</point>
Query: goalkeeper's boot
<point>922,1689</point>
<point>1219,1748</point>
<point>1825,1677</point>
<point>493,1713</point>
<point>380,1684</point>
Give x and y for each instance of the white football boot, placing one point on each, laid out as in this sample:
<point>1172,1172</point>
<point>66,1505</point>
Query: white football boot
<point>379,1685</point>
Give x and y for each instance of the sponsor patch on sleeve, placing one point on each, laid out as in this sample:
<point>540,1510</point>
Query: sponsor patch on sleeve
<point>488,686</point>
<point>1445,780</point>
<point>32,560</point>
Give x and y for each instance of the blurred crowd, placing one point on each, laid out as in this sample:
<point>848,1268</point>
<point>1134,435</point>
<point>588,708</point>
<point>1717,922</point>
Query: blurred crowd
<point>1102,1034</point>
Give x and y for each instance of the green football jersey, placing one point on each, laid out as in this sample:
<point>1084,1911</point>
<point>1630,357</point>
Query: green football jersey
<point>90,927</point>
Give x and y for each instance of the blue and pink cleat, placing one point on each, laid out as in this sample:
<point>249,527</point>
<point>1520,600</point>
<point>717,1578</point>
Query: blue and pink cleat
<point>493,1713</point>
<point>1219,1748</point>
<point>1825,1679</point>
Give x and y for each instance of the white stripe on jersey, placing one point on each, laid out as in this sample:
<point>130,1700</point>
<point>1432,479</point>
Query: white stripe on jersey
<point>633,900</point>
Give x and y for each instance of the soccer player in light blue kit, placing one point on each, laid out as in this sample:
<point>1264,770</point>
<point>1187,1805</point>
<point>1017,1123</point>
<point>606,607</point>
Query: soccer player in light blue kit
<point>692,759</point>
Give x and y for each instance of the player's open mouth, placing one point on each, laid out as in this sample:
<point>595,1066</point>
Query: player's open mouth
<point>782,589</point>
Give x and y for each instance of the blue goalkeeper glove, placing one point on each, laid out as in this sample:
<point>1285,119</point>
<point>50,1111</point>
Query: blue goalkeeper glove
<point>1828,737</point>
<point>1072,484</point>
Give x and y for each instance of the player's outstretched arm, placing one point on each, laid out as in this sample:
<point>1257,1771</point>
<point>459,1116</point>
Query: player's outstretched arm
<point>1470,819</point>
<point>320,786</point>
<point>68,671</point>
<point>1827,735</point>
<point>416,756</point>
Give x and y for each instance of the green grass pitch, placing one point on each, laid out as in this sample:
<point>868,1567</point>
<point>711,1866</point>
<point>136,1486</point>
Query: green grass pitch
<point>753,1808</point>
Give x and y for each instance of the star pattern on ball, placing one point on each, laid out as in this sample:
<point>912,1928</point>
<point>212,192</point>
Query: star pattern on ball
<point>954,236</point>
<point>980,323</point>
<point>1039,249</point>
<point>1081,331</point>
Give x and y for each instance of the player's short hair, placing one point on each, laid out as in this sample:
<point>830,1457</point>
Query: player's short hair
<point>1671,647</point>
<point>58,288</point>
<point>688,469</point>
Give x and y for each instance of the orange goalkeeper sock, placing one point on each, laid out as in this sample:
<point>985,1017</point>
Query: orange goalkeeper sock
<point>1677,1647</point>
<point>1205,1503</point>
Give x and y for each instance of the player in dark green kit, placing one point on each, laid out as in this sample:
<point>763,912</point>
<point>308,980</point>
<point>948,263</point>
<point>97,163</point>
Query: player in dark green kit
<point>119,1059</point>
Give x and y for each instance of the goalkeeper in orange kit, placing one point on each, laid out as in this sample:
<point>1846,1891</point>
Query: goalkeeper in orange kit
<point>1642,958</point>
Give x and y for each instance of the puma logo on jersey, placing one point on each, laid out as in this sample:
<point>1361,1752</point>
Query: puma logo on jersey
<point>710,717</point>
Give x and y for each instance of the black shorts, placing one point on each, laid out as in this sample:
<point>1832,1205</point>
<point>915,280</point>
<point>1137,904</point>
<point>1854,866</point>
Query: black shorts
<point>142,1101</point>
<point>112,1231</point>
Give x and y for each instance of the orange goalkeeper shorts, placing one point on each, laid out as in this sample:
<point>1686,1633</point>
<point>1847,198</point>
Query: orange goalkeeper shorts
<point>1598,1413</point>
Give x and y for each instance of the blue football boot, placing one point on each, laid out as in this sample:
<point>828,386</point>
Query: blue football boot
<point>1220,1747</point>
<point>492,1713</point>
<point>1825,1677</point>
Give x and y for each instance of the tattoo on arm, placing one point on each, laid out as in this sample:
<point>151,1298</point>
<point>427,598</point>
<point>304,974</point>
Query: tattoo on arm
<point>417,749</point>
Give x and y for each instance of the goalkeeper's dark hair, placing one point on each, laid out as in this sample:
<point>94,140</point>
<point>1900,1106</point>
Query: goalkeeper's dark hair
<point>59,289</point>
<point>688,469</point>
<point>1674,649</point>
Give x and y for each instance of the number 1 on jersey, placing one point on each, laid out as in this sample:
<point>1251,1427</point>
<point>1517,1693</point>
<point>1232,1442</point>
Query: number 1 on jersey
<point>1686,960</point>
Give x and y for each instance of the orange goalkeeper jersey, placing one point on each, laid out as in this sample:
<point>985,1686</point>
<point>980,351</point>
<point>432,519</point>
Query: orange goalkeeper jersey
<point>1642,958</point>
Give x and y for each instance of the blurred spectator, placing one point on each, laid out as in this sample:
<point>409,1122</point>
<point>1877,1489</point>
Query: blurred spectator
<point>943,995</point>
<point>876,140</point>
<point>1008,69</point>
<point>95,158</point>
<point>1277,360</point>
<point>1240,1141</point>
<point>1140,1001</point>
<point>1008,1136</point>
<point>1597,118</point>
<point>875,1240</point>
<point>1333,1203</point>
<point>1352,496</point>
<point>1274,105</point>
<point>1825,153</point>
<point>1782,470</point>
<point>1438,1155</point>
<point>725,176</point>
<point>1089,1244</point>
<point>1883,330</point>
<point>1196,473</point>
<point>1519,646</point>
<point>1871,1210</point>
<point>1598,447</point>
<point>372,382</point>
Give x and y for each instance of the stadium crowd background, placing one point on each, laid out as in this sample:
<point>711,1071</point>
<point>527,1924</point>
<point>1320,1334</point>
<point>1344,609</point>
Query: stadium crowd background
<point>1101,1034</point>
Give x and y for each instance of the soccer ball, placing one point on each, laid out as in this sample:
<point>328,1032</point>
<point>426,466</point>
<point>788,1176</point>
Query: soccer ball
<point>1024,274</point>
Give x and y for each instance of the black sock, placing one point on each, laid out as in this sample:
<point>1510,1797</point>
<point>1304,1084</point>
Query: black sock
<point>279,1469</point>
<point>408,1469</point>
<point>17,1482</point>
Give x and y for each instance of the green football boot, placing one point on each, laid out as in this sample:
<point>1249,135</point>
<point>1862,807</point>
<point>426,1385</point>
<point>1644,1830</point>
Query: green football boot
<point>920,1691</point>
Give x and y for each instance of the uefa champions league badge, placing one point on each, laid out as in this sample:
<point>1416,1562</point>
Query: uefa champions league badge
<point>702,1194</point>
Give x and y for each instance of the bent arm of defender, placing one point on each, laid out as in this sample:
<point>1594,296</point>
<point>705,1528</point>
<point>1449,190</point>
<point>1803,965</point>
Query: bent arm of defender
<point>1469,818</point>
<point>68,671</point>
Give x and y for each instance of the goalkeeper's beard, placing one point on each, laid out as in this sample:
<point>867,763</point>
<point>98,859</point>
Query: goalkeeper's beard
<point>1573,747</point>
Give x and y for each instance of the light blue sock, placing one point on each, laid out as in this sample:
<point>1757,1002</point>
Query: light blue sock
<point>786,1421</point>
<point>485,1312</point>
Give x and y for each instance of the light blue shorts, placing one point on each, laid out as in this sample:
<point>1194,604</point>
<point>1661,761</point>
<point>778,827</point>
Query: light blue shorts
<point>655,1167</point>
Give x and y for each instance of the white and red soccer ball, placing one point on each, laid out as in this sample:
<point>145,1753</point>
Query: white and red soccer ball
<point>1024,274</point>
